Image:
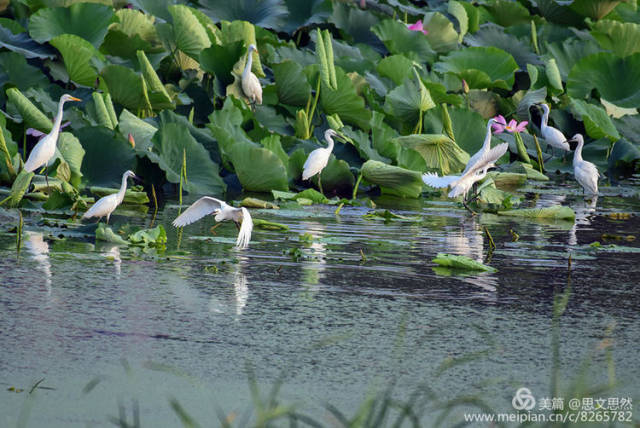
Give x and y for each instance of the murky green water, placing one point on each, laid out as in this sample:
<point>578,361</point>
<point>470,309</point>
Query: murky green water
<point>105,325</point>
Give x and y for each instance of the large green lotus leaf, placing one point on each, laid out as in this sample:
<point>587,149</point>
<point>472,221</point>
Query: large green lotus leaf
<point>506,13</point>
<point>440,153</point>
<point>201,135</point>
<point>158,95</point>
<point>19,187</point>
<point>624,155</point>
<point>594,9</point>
<point>337,176</point>
<point>568,52</point>
<point>134,31</point>
<point>141,131</point>
<point>392,179</point>
<point>15,69</point>
<point>107,156</point>
<point>395,67</point>
<point>77,53</point>
<point>480,67</point>
<point>400,40</point>
<point>629,127</point>
<point>71,151</point>
<point>273,143</point>
<point>441,34</point>
<point>12,25</point>
<point>156,8</point>
<point>265,13</point>
<point>242,31</point>
<point>305,13</point>
<point>31,115</point>
<point>596,121</point>
<point>408,101</point>
<point>89,21</point>
<point>171,143</point>
<point>559,13</point>
<point>220,60</point>
<point>190,35</point>
<point>345,102</point>
<point>125,86</point>
<point>460,13</point>
<point>363,144</point>
<point>356,23</point>
<point>291,83</point>
<point>469,127</point>
<point>23,44</point>
<point>616,79</point>
<point>622,38</point>
<point>492,35</point>
<point>258,168</point>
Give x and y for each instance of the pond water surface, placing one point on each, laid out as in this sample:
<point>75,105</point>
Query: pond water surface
<point>347,313</point>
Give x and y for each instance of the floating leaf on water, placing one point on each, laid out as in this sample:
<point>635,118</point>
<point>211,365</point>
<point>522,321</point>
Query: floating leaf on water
<point>388,216</point>
<point>461,262</point>
<point>269,225</point>
<point>557,212</point>
<point>257,203</point>
<point>105,233</point>
<point>156,237</point>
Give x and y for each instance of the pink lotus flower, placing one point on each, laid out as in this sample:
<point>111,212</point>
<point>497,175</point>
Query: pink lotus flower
<point>513,126</point>
<point>418,27</point>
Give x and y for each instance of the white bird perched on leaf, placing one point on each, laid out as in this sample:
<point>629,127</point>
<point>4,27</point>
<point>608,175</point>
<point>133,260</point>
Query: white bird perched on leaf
<point>44,151</point>
<point>460,184</point>
<point>551,135</point>
<point>108,204</point>
<point>318,159</point>
<point>584,171</point>
<point>222,211</point>
<point>250,83</point>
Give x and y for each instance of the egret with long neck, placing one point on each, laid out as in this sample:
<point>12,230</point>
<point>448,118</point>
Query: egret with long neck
<point>250,83</point>
<point>551,135</point>
<point>107,204</point>
<point>319,158</point>
<point>486,146</point>
<point>44,151</point>
<point>584,171</point>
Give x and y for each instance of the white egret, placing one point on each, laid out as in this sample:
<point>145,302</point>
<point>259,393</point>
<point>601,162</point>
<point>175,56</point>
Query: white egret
<point>250,83</point>
<point>486,146</point>
<point>551,135</point>
<point>584,171</point>
<point>319,158</point>
<point>44,151</point>
<point>107,204</point>
<point>460,184</point>
<point>222,211</point>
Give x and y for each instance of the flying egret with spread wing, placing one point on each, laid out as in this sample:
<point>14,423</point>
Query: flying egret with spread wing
<point>584,171</point>
<point>461,184</point>
<point>319,158</point>
<point>44,151</point>
<point>108,204</point>
<point>222,212</point>
<point>250,83</point>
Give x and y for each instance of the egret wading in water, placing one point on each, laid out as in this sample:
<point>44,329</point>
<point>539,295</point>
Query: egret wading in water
<point>107,204</point>
<point>461,184</point>
<point>584,171</point>
<point>250,83</point>
<point>44,151</point>
<point>551,135</point>
<point>222,212</point>
<point>319,158</point>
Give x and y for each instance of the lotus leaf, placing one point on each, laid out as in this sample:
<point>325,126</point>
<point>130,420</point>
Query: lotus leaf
<point>480,67</point>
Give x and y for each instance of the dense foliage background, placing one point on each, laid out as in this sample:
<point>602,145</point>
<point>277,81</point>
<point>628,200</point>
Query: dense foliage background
<point>167,72</point>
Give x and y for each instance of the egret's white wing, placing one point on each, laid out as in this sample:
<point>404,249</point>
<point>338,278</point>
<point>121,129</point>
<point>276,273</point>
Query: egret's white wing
<point>200,208</point>
<point>102,207</point>
<point>587,175</point>
<point>252,88</point>
<point>41,153</point>
<point>555,138</point>
<point>244,235</point>
<point>432,179</point>
<point>316,161</point>
<point>488,158</point>
<point>474,159</point>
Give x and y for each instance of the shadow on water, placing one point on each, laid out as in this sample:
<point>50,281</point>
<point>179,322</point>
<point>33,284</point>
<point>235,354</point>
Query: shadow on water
<point>342,320</point>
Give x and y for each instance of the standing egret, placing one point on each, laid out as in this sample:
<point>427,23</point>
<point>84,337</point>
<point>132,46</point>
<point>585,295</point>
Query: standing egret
<point>486,146</point>
<point>551,135</point>
<point>250,83</point>
<point>222,211</point>
<point>319,158</point>
<point>584,171</point>
<point>107,204</point>
<point>461,184</point>
<point>46,147</point>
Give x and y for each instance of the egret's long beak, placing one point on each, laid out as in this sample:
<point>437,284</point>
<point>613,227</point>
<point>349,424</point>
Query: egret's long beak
<point>74,99</point>
<point>136,179</point>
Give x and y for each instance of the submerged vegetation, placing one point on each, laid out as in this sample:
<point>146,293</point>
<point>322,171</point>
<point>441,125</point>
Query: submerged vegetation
<point>407,85</point>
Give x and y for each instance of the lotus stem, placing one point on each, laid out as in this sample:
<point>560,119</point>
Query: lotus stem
<point>355,188</point>
<point>492,245</point>
<point>540,159</point>
<point>155,204</point>
<point>7,155</point>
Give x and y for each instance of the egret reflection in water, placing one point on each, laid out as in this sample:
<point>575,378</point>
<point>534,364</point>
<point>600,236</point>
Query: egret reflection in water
<point>39,250</point>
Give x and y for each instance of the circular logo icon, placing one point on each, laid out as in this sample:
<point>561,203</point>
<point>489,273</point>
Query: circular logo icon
<point>523,400</point>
